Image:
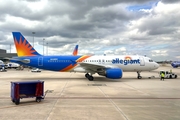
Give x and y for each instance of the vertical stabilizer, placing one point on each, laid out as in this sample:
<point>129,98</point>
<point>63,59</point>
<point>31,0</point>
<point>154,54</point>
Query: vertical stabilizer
<point>75,52</point>
<point>23,47</point>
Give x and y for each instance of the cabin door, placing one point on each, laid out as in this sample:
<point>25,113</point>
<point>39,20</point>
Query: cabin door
<point>142,63</point>
<point>40,61</point>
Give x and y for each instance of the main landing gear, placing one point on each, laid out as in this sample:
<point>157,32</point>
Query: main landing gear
<point>89,77</point>
<point>139,76</point>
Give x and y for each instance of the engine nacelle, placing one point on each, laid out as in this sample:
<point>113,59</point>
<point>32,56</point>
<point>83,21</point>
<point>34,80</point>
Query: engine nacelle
<point>112,73</point>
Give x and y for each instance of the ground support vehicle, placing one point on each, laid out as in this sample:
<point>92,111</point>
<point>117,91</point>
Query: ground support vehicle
<point>35,70</point>
<point>168,75</point>
<point>27,89</point>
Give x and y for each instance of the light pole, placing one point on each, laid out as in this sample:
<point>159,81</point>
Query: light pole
<point>47,48</point>
<point>33,37</point>
<point>43,45</point>
<point>10,48</point>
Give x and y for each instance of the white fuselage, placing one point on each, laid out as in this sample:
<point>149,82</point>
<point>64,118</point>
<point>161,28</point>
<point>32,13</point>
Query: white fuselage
<point>128,63</point>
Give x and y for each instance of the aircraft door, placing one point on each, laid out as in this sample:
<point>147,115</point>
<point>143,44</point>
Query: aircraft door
<point>40,61</point>
<point>142,63</point>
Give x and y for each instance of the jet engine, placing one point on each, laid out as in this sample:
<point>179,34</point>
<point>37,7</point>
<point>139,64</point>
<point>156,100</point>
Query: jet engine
<point>112,73</point>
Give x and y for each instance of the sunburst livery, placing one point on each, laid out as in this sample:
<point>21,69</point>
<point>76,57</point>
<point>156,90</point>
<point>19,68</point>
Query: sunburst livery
<point>128,58</point>
<point>23,47</point>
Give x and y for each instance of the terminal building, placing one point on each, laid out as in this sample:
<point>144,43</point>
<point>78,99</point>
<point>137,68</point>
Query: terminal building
<point>4,54</point>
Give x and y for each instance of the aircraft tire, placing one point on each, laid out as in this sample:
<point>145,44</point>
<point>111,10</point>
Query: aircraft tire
<point>90,78</point>
<point>87,75</point>
<point>139,77</point>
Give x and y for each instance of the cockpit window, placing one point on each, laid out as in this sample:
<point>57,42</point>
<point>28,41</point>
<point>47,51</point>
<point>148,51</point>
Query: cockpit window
<point>150,60</point>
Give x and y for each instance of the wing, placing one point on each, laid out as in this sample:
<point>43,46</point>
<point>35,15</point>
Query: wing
<point>94,68</point>
<point>18,60</point>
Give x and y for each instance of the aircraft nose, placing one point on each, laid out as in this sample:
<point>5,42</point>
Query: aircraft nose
<point>156,65</point>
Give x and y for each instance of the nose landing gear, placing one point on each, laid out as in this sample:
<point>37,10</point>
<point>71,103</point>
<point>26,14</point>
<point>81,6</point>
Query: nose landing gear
<point>139,76</point>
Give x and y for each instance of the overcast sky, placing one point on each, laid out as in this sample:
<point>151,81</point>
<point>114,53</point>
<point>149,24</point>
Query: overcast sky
<point>112,27</point>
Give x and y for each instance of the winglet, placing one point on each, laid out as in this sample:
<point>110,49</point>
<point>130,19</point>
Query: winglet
<point>75,52</point>
<point>23,47</point>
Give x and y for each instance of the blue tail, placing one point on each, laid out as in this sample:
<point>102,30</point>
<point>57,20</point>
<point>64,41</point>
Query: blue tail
<point>75,52</point>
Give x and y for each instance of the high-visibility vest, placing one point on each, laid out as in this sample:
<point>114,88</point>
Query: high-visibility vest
<point>162,74</point>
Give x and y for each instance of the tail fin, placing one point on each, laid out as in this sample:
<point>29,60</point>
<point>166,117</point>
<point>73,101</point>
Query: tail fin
<point>23,47</point>
<point>75,52</point>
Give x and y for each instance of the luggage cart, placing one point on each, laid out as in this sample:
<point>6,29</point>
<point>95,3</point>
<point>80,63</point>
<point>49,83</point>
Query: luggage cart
<point>27,89</point>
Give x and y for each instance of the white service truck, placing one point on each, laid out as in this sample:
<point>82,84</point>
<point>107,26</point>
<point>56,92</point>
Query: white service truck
<point>168,74</point>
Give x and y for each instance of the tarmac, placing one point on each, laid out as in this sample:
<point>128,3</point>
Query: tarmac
<point>70,96</point>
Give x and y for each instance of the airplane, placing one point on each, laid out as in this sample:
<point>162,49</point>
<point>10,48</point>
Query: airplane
<point>111,67</point>
<point>175,64</point>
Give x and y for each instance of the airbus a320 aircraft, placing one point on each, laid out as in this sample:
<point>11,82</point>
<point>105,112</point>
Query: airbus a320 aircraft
<point>109,66</point>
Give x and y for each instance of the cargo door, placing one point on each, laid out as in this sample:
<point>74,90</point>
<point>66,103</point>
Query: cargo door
<point>40,61</point>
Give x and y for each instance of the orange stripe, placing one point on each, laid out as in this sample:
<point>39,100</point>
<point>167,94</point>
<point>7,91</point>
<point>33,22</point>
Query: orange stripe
<point>75,52</point>
<point>82,58</point>
<point>70,67</point>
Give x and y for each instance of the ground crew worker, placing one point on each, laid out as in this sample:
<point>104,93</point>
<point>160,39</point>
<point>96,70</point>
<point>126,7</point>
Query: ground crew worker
<point>162,76</point>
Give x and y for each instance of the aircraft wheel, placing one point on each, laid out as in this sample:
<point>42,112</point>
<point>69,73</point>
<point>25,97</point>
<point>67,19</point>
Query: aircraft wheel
<point>91,78</point>
<point>87,75</point>
<point>139,77</point>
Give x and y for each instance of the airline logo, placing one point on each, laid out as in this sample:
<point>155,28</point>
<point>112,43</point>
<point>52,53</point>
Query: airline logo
<point>127,60</point>
<point>22,46</point>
